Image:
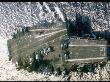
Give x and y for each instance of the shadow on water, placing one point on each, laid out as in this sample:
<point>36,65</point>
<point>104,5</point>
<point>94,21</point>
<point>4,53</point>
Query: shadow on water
<point>108,49</point>
<point>79,27</point>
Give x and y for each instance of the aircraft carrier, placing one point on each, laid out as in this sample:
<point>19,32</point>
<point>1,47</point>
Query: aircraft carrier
<point>58,48</point>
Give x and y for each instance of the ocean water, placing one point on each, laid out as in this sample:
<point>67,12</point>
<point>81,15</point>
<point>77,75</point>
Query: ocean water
<point>3,47</point>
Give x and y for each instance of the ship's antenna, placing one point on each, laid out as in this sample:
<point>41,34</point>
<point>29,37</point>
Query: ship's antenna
<point>75,7</point>
<point>76,14</point>
<point>81,7</point>
<point>82,4</point>
<point>89,10</point>
<point>106,12</point>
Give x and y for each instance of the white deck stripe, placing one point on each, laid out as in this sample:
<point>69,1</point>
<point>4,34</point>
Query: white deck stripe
<point>44,29</point>
<point>87,45</point>
<point>52,33</point>
<point>85,59</point>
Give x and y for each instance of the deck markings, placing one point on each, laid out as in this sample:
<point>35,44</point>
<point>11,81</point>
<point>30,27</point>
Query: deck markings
<point>85,59</point>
